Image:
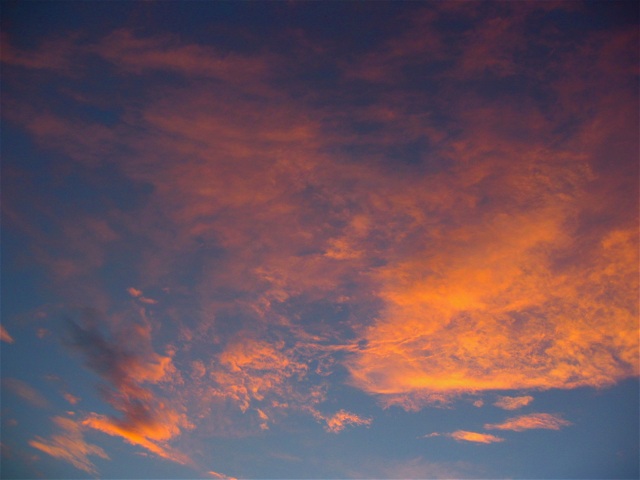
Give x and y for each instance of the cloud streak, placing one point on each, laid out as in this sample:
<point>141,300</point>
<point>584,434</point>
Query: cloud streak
<point>338,421</point>
<point>25,391</point>
<point>4,335</point>
<point>69,445</point>
<point>531,421</point>
<point>128,362</point>
<point>474,437</point>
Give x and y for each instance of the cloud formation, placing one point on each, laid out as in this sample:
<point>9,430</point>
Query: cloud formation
<point>69,445</point>
<point>474,437</point>
<point>25,391</point>
<point>428,246</point>
<point>220,475</point>
<point>531,421</point>
<point>339,420</point>
<point>4,335</point>
<point>128,362</point>
<point>513,403</point>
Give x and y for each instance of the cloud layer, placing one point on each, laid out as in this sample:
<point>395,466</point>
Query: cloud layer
<point>432,218</point>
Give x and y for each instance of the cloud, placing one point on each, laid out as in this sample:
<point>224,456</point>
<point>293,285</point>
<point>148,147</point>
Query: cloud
<point>145,427</point>
<point>338,421</point>
<point>54,54</point>
<point>25,391</point>
<point>532,421</point>
<point>513,403</point>
<point>417,467</point>
<point>221,476</point>
<point>457,251</point>
<point>128,362</point>
<point>164,53</point>
<point>496,298</point>
<point>482,311</point>
<point>72,399</point>
<point>475,437</point>
<point>69,445</point>
<point>250,370</point>
<point>466,436</point>
<point>134,292</point>
<point>4,335</point>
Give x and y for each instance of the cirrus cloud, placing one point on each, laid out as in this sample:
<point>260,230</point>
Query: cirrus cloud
<point>531,421</point>
<point>513,403</point>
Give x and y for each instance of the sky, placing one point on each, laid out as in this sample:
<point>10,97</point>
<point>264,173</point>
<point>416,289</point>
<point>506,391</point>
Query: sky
<point>320,240</point>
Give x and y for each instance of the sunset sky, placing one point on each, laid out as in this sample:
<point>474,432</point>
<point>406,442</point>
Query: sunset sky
<point>320,240</point>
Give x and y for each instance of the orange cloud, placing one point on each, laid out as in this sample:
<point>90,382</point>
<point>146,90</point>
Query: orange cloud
<point>69,445</point>
<point>513,403</point>
<point>251,370</point>
<point>337,422</point>
<point>221,476</point>
<point>466,436</point>
<point>488,305</point>
<point>485,266</point>
<point>128,362</point>
<point>146,428</point>
<point>4,335</point>
<point>134,292</point>
<point>532,421</point>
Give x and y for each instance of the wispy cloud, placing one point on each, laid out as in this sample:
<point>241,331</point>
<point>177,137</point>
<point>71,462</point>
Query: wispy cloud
<point>4,335</point>
<point>69,445</point>
<point>72,399</point>
<point>250,370</point>
<point>139,294</point>
<point>528,422</point>
<point>25,391</point>
<point>432,255</point>
<point>127,362</point>
<point>221,476</point>
<point>474,437</point>
<point>338,421</point>
<point>513,403</point>
<point>134,292</point>
<point>467,436</point>
<point>417,467</point>
<point>142,426</point>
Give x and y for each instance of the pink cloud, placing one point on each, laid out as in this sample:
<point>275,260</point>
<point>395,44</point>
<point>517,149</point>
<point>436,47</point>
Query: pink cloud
<point>513,403</point>
<point>25,391</point>
<point>4,335</point>
<point>134,292</point>
<point>72,399</point>
<point>447,275</point>
<point>474,437</point>
<point>69,445</point>
<point>140,55</point>
<point>532,421</point>
<point>338,421</point>
<point>145,427</point>
<point>251,371</point>
<point>128,362</point>
<point>221,476</point>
